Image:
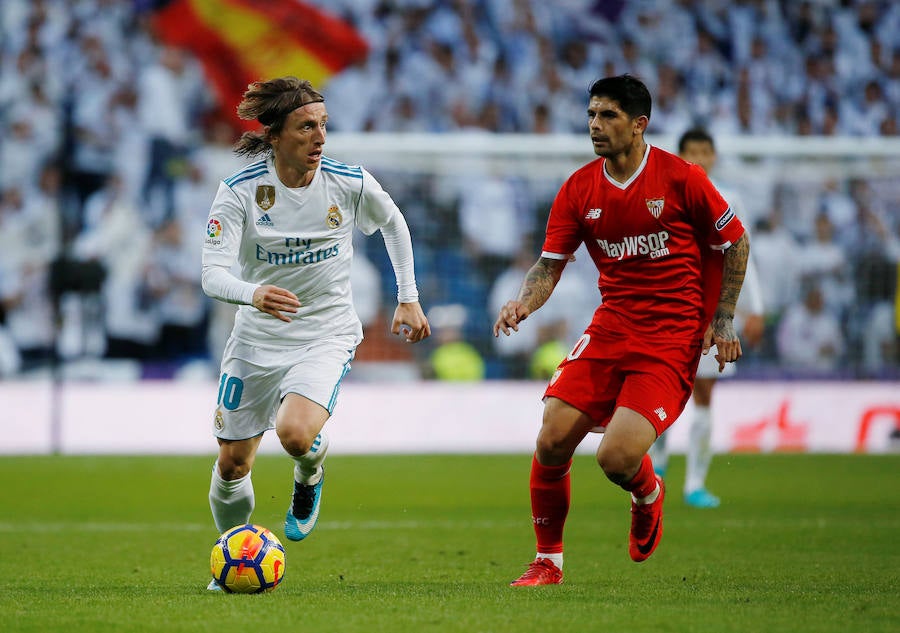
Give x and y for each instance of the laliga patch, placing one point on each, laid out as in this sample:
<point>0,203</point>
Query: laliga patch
<point>655,206</point>
<point>723,221</point>
<point>334,217</point>
<point>214,233</point>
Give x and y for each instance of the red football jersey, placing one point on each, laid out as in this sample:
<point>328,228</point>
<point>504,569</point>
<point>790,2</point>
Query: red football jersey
<point>656,239</point>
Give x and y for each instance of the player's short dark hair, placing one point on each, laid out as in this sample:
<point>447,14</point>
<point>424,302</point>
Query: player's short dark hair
<point>695,135</point>
<point>628,91</point>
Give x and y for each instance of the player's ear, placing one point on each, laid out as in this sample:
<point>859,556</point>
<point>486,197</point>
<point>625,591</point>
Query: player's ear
<point>640,124</point>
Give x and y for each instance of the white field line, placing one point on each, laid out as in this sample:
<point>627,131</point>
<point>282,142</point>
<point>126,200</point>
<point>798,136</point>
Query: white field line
<point>790,524</point>
<point>103,527</point>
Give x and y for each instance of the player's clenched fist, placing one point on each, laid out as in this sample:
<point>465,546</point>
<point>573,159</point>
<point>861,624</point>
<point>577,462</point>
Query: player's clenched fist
<point>511,314</point>
<point>410,322</point>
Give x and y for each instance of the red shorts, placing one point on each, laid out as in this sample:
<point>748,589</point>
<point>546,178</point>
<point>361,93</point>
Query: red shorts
<point>608,369</point>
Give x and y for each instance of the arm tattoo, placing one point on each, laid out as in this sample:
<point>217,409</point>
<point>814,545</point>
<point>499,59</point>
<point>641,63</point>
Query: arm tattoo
<point>732,279</point>
<point>540,282</point>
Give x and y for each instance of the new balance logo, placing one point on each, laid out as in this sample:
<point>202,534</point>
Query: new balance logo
<point>593,214</point>
<point>661,413</point>
<point>265,220</point>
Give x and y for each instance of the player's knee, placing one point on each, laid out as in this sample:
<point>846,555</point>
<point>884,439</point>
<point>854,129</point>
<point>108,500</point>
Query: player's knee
<point>235,459</point>
<point>230,469</point>
<point>618,465</point>
<point>296,440</point>
<point>551,451</point>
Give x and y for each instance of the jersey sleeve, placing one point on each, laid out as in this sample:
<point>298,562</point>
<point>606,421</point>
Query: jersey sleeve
<point>712,214</point>
<point>563,227</point>
<point>224,229</point>
<point>376,207</point>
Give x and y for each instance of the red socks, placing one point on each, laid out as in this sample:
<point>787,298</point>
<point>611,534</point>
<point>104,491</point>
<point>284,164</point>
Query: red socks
<point>550,495</point>
<point>644,481</point>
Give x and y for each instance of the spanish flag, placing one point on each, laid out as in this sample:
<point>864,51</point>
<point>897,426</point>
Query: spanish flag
<point>241,41</point>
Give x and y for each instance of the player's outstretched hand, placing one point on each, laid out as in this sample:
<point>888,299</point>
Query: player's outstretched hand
<point>511,314</point>
<point>410,322</point>
<point>275,301</point>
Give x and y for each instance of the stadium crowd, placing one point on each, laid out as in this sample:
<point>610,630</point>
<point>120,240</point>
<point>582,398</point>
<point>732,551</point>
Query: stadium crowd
<point>112,148</point>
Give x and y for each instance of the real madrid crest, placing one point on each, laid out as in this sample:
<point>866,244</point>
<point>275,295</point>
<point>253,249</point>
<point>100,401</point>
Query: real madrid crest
<point>219,421</point>
<point>655,206</point>
<point>265,197</point>
<point>334,217</point>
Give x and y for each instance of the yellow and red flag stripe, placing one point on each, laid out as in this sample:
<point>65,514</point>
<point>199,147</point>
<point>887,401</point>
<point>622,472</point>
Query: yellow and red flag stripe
<point>241,41</point>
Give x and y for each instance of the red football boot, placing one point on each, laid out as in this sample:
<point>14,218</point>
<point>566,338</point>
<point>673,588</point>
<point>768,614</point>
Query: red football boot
<point>541,571</point>
<point>646,526</point>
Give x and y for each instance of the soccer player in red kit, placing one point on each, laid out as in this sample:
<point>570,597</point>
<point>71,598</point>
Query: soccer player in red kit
<point>671,256</point>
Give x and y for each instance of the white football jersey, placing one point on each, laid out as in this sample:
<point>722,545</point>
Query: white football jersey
<point>298,239</point>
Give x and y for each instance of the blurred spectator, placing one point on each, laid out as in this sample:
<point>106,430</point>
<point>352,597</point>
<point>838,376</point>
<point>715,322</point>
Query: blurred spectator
<point>824,260</point>
<point>31,142</point>
<point>93,130</point>
<point>116,236</point>
<point>453,359</point>
<point>774,251</point>
<point>27,251</point>
<point>809,335</point>
<point>838,205</point>
<point>10,361</point>
<point>876,258</point>
<point>172,287</point>
<point>169,98</point>
<point>494,219</point>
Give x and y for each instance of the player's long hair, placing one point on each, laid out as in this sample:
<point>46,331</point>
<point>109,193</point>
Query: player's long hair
<point>270,102</point>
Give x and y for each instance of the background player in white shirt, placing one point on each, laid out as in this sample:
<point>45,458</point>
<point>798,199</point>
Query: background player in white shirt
<point>287,222</point>
<point>697,146</point>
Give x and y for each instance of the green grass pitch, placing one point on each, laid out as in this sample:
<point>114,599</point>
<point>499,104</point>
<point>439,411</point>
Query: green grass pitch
<point>430,543</point>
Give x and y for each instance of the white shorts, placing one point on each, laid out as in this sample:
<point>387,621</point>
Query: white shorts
<point>254,381</point>
<point>709,366</point>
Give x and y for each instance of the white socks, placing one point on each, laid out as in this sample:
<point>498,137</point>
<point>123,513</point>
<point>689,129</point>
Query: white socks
<point>699,453</point>
<point>653,496</point>
<point>231,502</point>
<point>556,558</point>
<point>306,466</point>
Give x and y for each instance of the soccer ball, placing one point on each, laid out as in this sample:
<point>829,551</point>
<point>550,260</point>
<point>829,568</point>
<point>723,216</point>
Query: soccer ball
<point>247,559</point>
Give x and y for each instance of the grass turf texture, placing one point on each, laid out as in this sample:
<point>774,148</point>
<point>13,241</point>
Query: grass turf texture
<point>429,543</point>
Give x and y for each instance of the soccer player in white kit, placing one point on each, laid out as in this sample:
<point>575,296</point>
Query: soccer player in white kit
<point>697,146</point>
<point>287,221</point>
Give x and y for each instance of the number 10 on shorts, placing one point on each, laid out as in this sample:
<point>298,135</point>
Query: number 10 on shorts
<point>230,390</point>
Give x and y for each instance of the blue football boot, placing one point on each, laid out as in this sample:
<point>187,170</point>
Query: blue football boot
<point>304,511</point>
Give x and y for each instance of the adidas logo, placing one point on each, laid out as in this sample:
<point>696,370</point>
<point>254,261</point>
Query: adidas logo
<point>265,220</point>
